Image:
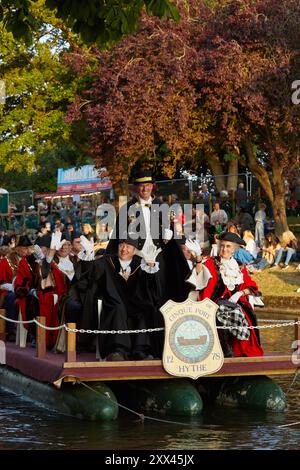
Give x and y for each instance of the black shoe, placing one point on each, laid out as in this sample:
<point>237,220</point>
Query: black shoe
<point>142,356</point>
<point>115,357</point>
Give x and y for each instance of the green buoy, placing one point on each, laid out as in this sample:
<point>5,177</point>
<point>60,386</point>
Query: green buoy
<point>257,392</point>
<point>97,402</point>
<point>168,397</point>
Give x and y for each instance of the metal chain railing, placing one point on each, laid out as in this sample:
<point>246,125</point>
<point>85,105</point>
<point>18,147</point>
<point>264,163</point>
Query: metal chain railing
<point>282,323</point>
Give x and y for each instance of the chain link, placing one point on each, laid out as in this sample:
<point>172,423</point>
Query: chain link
<point>283,323</point>
<point>113,332</point>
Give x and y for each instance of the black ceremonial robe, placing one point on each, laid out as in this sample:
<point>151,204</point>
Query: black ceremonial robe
<point>126,304</point>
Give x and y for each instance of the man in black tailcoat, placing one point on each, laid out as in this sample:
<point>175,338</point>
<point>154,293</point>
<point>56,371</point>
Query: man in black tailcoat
<point>148,219</point>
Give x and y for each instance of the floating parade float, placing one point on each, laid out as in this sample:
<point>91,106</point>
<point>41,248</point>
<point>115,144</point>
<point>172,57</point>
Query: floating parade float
<point>84,386</point>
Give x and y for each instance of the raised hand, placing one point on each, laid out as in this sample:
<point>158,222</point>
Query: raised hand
<point>168,234</point>
<point>37,251</point>
<point>150,253</point>
<point>87,253</point>
<point>193,246</point>
<point>56,242</point>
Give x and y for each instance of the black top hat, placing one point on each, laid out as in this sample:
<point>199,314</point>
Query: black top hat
<point>130,241</point>
<point>23,240</point>
<point>45,240</point>
<point>144,176</point>
<point>232,237</point>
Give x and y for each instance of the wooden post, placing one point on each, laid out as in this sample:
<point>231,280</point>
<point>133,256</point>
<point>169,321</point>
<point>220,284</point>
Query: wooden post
<point>71,344</point>
<point>41,338</point>
<point>297,334</point>
<point>2,325</point>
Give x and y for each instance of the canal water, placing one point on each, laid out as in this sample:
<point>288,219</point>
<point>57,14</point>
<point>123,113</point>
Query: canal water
<point>23,425</point>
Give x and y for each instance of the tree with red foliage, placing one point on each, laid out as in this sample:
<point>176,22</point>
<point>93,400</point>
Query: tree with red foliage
<point>142,93</point>
<point>249,67</point>
<point>216,84</point>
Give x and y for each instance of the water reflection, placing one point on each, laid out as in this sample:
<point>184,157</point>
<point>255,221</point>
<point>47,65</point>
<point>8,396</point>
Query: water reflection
<point>24,426</point>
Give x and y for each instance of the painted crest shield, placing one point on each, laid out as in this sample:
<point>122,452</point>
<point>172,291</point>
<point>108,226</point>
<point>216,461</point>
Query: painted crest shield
<point>192,347</point>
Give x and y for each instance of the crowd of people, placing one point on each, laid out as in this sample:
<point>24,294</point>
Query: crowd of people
<point>120,281</point>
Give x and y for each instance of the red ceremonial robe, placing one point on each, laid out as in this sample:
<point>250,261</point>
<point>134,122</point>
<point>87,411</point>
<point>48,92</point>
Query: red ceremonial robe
<point>29,277</point>
<point>250,347</point>
<point>6,276</point>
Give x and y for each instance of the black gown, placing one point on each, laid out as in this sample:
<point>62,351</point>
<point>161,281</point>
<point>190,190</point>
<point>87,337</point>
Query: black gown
<point>126,304</point>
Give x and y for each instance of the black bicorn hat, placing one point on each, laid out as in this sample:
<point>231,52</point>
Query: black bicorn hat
<point>143,176</point>
<point>129,240</point>
<point>23,240</point>
<point>233,238</point>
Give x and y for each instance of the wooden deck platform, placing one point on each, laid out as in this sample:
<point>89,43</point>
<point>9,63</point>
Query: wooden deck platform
<point>52,368</point>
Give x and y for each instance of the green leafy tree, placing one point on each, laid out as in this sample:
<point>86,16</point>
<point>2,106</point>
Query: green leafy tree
<point>43,178</point>
<point>39,87</point>
<point>97,21</point>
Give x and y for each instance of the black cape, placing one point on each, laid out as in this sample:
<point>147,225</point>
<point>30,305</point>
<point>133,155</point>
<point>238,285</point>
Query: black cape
<point>126,304</point>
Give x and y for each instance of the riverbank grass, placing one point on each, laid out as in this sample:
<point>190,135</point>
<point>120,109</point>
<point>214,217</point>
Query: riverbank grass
<point>279,282</point>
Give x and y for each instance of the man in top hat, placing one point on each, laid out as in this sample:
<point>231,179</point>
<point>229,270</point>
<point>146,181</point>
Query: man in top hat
<point>138,216</point>
<point>130,292</point>
<point>148,219</point>
<point>8,269</point>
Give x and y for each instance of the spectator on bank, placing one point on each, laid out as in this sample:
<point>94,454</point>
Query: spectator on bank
<point>7,238</point>
<point>31,219</point>
<point>87,231</point>
<point>240,196</point>
<point>251,246</point>
<point>232,227</point>
<point>43,219</point>
<point>178,219</point>
<point>69,231</point>
<point>102,233</point>
<point>43,229</point>
<point>260,219</point>
<point>244,220</point>
<point>204,197</point>
<point>58,225</point>
<point>225,203</point>
<point>288,246</point>
<point>218,218</point>
<point>271,245</point>
<point>2,235</point>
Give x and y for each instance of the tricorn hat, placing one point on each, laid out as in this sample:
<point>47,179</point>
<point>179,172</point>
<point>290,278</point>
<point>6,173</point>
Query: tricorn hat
<point>144,176</point>
<point>23,240</point>
<point>233,238</point>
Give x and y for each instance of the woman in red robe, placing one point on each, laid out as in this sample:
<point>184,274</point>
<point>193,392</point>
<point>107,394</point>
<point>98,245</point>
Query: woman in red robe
<point>224,280</point>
